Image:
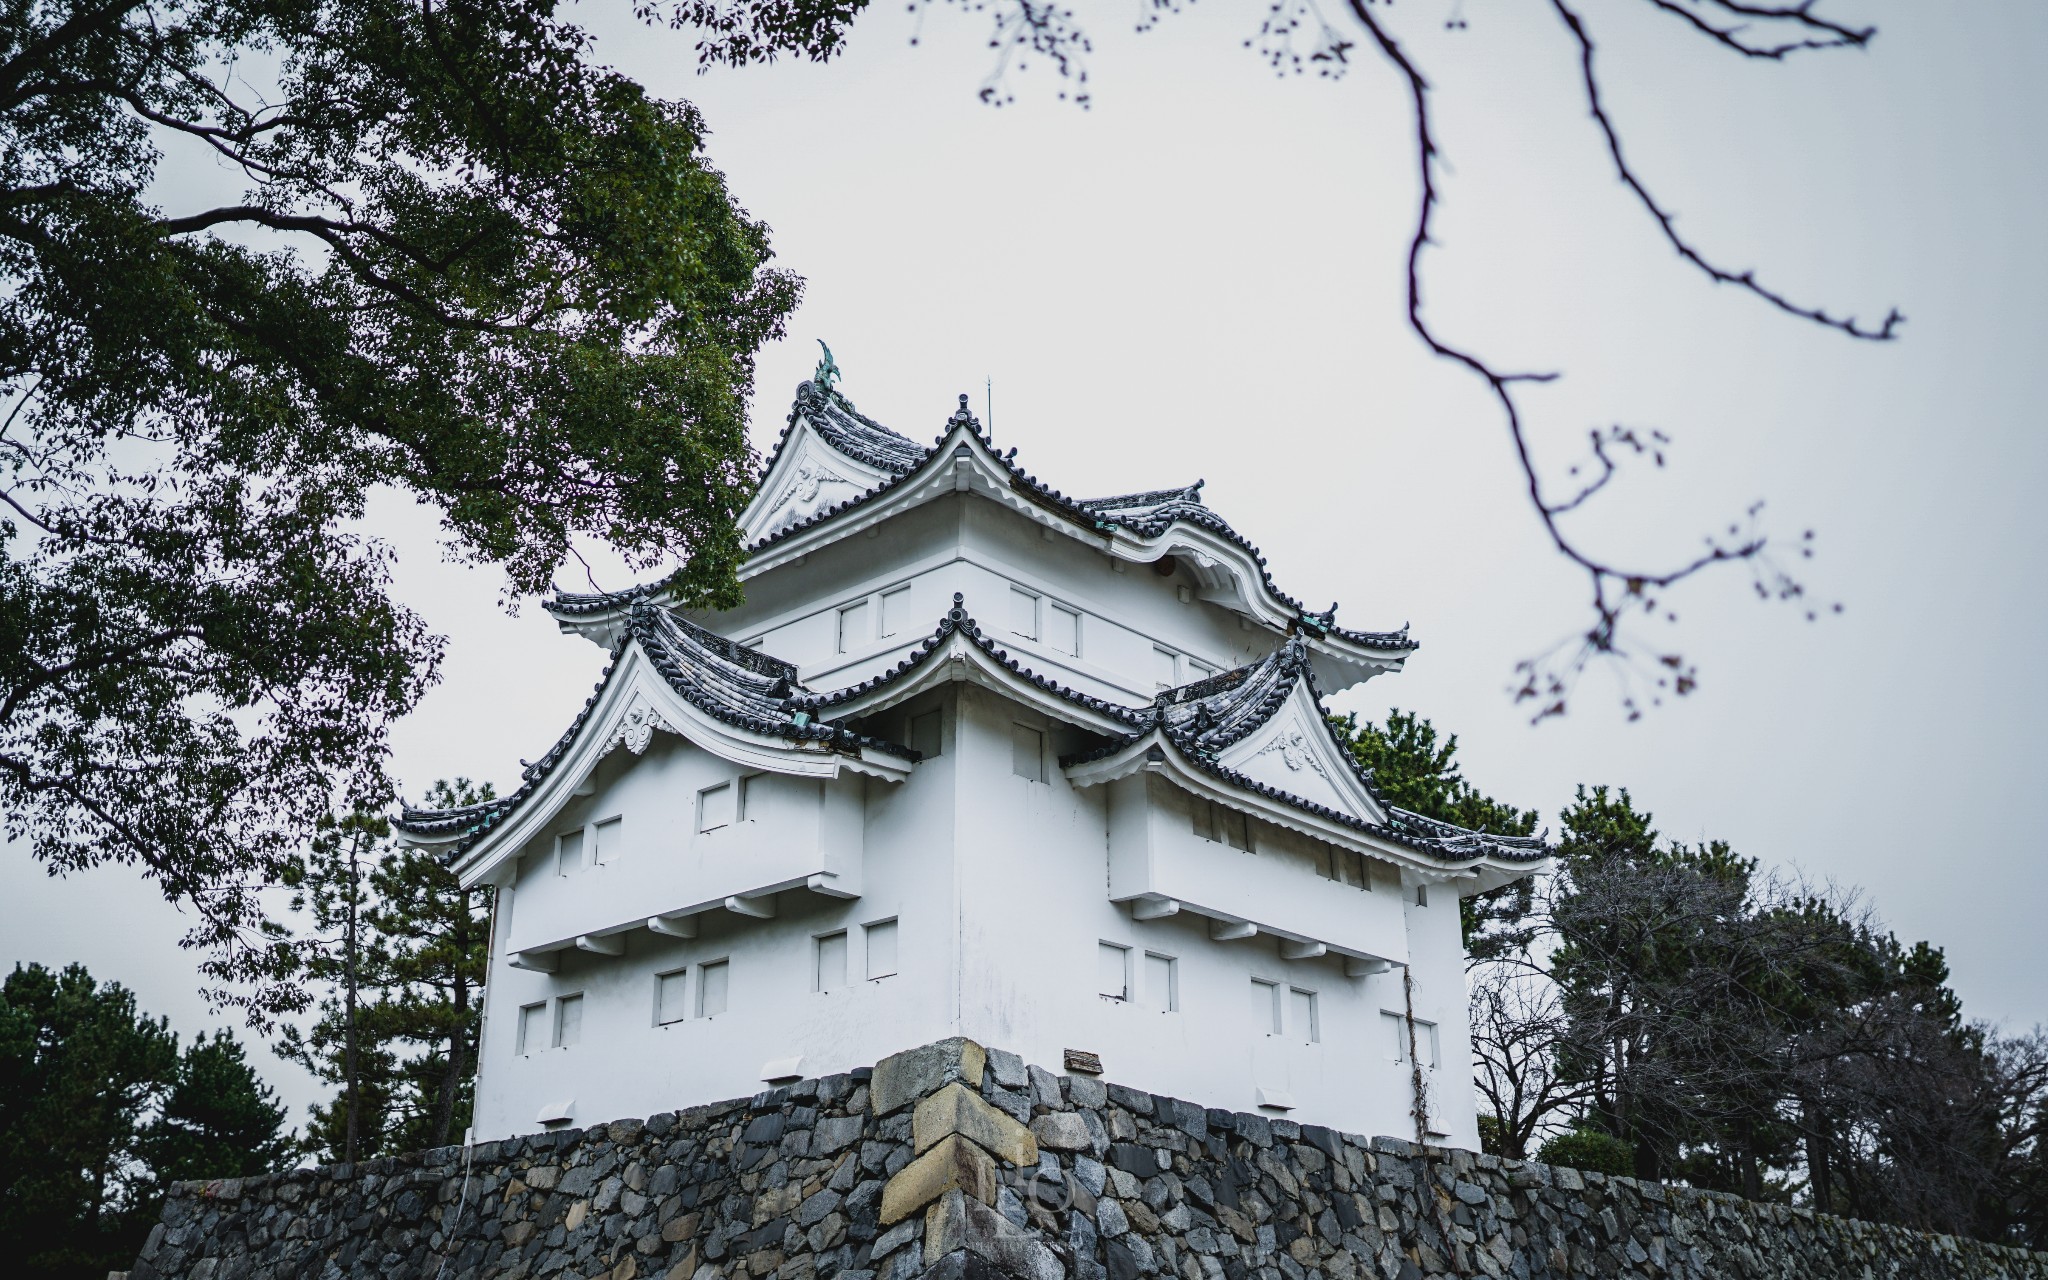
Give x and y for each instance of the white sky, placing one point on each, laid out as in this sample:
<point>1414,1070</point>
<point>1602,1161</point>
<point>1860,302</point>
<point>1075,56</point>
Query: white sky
<point>1201,276</point>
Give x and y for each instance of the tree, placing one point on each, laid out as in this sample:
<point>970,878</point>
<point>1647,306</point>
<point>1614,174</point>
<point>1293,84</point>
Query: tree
<point>1414,769</point>
<point>467,264</point>
<point>431,950</point>
<point>217,1119</point>
<point>79,1069</point>
<point>398,952</point>
<point>330,888</point>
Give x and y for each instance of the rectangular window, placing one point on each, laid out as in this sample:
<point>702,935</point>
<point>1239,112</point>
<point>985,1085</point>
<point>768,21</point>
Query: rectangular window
<point>895,611</point>
<point>1162,982</point>
<point>1302,1024</point>
<point>607,840</point>
<point>924,734</point>
<point>711,988</point>
<point>828,961</point>
<point>1027,753</point>
<point>670,990</point>
<point>1397,1031</point>
<point>533,1027</point>
<point>716,807</point>
<point>881,940</point>
<point>1165,667</point>
<point>854,631</point>
<point>1421,895</point>
<point>568,1020</point>
<point>569,852</point>
<point>1266,1006</point>
<point>1024,612</point>
<point>1199,670</point>
<point>1205,819</point>
<point>1113,970</point>
<point>1063,630</point>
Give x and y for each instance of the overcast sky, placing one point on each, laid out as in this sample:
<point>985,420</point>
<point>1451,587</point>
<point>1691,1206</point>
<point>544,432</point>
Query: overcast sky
<point>1201,276</point>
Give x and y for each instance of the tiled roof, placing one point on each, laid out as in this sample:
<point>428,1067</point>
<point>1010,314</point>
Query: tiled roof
<point>725,680</point>
<point>1205,718</point>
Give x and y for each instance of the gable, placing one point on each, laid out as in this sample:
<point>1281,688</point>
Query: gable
<point>1294,752</point>
<point>809,476</point>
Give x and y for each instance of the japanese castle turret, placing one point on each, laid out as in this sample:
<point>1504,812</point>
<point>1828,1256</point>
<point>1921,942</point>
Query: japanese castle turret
<point>976,759</point>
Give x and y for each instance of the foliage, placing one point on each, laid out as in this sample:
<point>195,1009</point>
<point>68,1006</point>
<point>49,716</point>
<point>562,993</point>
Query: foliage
<point>397,951</point>
<point>1414,769</point>
<point>467,264</point>
<point>99,1111</point>
<point>1582,1147</point>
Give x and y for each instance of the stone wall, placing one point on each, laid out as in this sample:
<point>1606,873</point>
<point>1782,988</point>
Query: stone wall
<point>954,1162</point>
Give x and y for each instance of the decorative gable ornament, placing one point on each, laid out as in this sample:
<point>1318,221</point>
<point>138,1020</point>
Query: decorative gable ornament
<point>1295,752</point>
<point>637,726</point>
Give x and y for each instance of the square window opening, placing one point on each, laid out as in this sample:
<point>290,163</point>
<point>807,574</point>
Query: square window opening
<point>895,611</point>
<point>717,806</point>
<point>1113,971</point>
<point>713,980</point>
<point>1303,1021</point>
<point>828,961</point>
<point>608,840</point>
<point>1027,753</point>
<point>568,1020</point>
<point>1165,667</point>
<point>1024,612</point>
<point>855,628</point>
<point>881,948</point>
<point>670,997</point>
<point>1162,982</point>
<point>533,1027</point>
<point>1063,630</point>
<point>1266,1006</point>
<point>569,852</point>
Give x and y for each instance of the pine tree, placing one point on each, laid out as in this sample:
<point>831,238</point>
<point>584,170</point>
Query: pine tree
<point>218,1119</point>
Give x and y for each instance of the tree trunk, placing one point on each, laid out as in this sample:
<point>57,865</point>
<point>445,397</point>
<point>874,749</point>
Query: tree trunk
<point>348,1048</point>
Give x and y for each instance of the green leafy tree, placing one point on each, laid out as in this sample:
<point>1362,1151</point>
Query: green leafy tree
<point>79,1069</point>
<point>465,263</point>
<point>1417,769</point>
<point>430,950</point>
<point>217,1120</point>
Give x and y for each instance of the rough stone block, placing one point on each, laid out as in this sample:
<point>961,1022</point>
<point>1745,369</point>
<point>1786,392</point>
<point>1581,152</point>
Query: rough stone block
<point>1062,1131</point>
<point>903,1078</point>
<point>958,1224</point>
<point>956,1109</point>
<point>954,1164</point>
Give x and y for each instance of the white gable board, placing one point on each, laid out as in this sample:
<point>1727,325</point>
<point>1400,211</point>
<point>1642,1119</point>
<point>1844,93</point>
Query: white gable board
<point>1294,752</point>
<point>810,476</point>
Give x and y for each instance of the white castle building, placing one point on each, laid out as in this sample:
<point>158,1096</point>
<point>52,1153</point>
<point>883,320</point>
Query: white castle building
<point>974,758</point>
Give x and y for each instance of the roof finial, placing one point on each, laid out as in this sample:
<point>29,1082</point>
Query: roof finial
<point>828,369</point>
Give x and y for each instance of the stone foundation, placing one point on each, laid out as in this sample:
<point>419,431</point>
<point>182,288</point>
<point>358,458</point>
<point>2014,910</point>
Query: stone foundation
<point>952,1161</point>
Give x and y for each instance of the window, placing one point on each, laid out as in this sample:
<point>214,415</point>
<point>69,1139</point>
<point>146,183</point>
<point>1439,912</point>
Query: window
<point>924,734</point>
<point>607,840</point>
<point>1024,612</point>
<point>828,961</point>
<point>1425,1038</point>
<point>1421,895</point>
<point>1302,1024</point>
<point>1027,753</point>
<point>569,852</point>
<point>533,1027</point>
<point>711,988</point>
<point>1162,982</point>
<point>1266,1006</point>
<point>717,806</point>
<point>895,611</point>
<point>670,990</point>
<point>1394,1033</point>
<point>1164,667</point>
<point>1063,629</point>
<point>1199,670</point>
<point>854,627</point>
<point>568,1020</point>
<point>1222,824</point>
<point>881,940</point>
<point>1113,970</point>
<point>881,949</point>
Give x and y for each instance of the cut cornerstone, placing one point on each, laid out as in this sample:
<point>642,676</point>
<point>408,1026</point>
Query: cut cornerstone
<point>813,1180</point>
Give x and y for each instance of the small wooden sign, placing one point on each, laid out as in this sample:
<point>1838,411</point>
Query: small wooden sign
<point>1085,1062</point>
